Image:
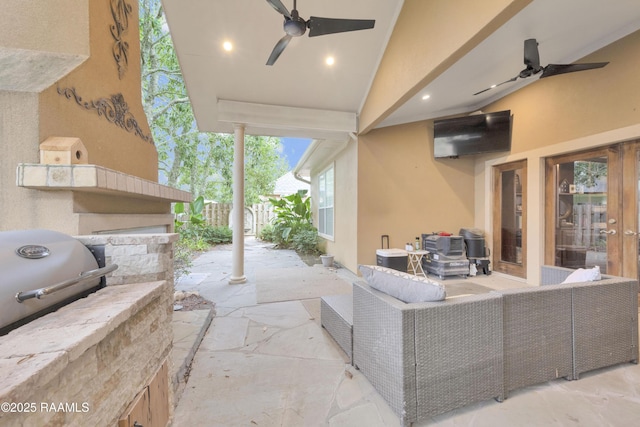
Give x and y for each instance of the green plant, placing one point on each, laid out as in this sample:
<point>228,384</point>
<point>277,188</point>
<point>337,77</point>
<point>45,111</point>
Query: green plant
<point>306,241</point>
<point>182,256</point>
<point>267,233</point>
<point>201,162</point>
<point>195,213</point>
<point>192,237</point>
<point>293,212</point>
<point>217,235</point>
<point>292,225</point>
<point>191,225</point>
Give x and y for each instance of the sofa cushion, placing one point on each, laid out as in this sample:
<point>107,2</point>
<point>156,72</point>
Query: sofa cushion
<point>405,287</point>
<point>584,275</point>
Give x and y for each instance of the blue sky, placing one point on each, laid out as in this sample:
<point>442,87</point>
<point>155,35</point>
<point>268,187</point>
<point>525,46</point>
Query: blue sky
<point>293,149</point>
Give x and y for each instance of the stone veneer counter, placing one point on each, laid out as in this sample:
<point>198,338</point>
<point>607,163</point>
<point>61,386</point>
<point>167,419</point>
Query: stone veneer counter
<point>92,357</point>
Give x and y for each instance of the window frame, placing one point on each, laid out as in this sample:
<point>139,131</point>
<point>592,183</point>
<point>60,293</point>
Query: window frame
<point>322,210</point>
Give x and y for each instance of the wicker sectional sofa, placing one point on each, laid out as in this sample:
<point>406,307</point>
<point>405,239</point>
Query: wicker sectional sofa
<point>429,358</point>
<point>604,319</point>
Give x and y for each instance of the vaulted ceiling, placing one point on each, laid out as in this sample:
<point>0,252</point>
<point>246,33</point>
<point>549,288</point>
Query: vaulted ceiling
<point>301,96</point>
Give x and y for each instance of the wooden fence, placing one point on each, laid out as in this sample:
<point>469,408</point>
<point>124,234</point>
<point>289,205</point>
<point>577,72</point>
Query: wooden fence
<point>255,216</point>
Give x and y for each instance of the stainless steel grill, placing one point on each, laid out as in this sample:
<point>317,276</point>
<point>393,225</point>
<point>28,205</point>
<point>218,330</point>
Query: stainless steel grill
<point>42,270</point>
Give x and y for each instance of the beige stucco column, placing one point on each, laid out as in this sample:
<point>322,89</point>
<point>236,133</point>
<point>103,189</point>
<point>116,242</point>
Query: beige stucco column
<point>237,263</point>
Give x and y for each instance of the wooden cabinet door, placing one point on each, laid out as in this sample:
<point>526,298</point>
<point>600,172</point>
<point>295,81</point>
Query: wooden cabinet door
<point>139,412</point>
<point>150,408</point>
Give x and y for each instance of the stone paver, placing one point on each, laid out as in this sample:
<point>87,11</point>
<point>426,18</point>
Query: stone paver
<point>273,365</point>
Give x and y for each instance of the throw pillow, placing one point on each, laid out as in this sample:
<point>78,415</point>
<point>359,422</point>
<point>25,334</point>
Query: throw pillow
<point>405,287</point>
<point>584,275</point>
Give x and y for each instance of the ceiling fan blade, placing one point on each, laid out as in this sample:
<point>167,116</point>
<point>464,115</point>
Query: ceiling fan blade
<point>555,69</point>
<point>321,26</point>
<point>495,86</point>
<point>277,5</point>
<point>531,55</point>
<point>277,50</point>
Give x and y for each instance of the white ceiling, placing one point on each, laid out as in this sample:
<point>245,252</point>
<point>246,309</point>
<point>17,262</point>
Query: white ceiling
<point>299,96</point>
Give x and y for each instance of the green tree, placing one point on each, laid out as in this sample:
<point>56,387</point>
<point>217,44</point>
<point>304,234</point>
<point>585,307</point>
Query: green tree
<point>263,166</point>
<point>164,94</point>
<point>197,161</point>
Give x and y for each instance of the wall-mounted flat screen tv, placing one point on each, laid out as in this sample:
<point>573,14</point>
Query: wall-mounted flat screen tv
<point>474,134</point>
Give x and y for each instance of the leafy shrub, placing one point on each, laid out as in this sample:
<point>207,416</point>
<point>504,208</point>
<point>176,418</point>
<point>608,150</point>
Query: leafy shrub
<point>305,241</point>
<point>192,237</point>
<point>195,216</point>
<point>217,235</point>
<point>267,233</point>
<point>279,233</point>
<point>182,256</point>
<point>292,226</point>
<point>293,213</point>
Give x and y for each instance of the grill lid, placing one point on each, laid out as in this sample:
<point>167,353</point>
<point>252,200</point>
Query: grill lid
<point>32,259</point>
<point>33,251</point>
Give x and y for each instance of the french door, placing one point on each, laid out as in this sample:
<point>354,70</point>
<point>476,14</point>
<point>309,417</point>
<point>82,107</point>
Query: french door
<point>592,210</point>
<point>510,218</point>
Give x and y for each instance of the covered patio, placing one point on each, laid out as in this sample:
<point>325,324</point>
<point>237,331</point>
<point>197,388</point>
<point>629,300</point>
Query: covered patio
<point>371,115</point>
<point>273,364</point>
<point>370,111</point>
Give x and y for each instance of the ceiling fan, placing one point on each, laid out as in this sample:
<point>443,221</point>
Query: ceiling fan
<point>294,26</point>
<point>532,61</point>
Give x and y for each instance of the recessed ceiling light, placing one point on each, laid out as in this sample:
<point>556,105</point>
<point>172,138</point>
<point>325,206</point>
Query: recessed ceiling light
<point>228,46</point>
<point>330,60</point>
<point>425,97</point>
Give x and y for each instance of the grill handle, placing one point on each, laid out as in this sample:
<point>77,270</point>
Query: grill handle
<point>83,277</point>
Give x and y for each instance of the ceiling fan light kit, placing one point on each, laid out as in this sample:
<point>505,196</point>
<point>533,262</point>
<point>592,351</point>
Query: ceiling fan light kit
<point>295,26</point>
<point>532,62</point>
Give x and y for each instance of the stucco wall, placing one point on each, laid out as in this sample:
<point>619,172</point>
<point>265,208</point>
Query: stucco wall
<point>404,192</point>
<point>563,114</point>
<point>36,25</point>
<point>575,105</point>
<point>97,79</point>
<point>344,244</point>
<point>429,36</point>
<point>45,49</point>
<point>23,208</point>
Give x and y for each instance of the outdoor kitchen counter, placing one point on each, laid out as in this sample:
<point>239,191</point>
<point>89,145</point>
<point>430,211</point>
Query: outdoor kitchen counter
<point>84,355</point>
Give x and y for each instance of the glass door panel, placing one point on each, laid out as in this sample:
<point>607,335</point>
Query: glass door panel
<point>582,220</point>
<point>509,241</point>
<point>511,227</point>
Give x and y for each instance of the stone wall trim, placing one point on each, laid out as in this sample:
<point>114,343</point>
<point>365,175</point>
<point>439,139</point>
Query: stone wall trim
<point>71,334</point>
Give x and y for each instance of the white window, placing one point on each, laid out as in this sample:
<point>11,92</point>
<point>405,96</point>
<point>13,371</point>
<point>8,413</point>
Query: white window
<point>325,203</point>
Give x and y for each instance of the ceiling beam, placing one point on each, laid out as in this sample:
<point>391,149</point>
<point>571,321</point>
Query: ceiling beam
<point>416,54</point>
<point>282,117</point>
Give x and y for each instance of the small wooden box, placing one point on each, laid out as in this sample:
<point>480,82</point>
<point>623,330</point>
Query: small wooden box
<point>57,150</point>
